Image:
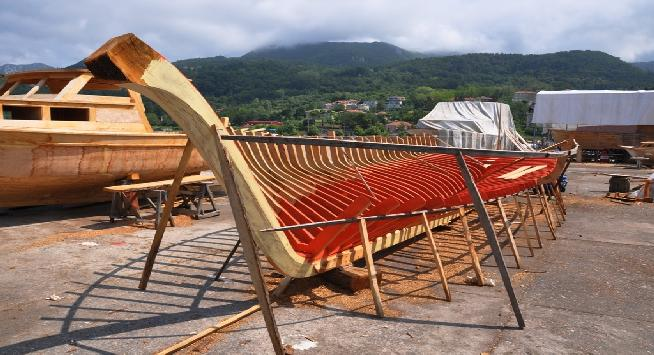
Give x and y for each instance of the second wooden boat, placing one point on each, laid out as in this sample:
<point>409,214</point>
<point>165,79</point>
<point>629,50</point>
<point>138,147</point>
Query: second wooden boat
<point>62,139</point>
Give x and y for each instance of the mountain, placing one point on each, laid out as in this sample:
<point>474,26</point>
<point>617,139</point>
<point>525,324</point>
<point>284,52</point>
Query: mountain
<point>238,80</point>
<point>649,66</point>
<point>336,54</point>
<point>13,68</point>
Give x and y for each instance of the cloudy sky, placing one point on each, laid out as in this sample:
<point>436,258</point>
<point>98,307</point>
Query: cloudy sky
<point>62,32</point>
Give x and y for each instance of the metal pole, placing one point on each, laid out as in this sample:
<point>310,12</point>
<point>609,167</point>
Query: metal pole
<point>490,235</point>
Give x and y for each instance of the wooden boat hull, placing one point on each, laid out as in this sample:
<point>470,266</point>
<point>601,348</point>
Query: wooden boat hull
<point>289,181</point>
<point>646,151</point>
<point>39,167</point>
<point>606,137</point>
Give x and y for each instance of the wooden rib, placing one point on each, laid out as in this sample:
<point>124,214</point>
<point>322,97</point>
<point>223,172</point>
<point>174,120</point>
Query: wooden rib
<point>35,88</point>
<point>11,88</point>
<point>73,87</point>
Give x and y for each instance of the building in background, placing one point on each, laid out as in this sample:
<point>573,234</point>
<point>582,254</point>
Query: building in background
<point>395,102</point>
<point>395,126</point>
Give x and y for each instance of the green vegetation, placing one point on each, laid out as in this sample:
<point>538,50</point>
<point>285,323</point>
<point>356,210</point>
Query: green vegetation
<point>647,66</point>
<point>252,88</point>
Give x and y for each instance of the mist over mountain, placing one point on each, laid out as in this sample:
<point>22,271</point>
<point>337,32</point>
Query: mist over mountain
<point>337,53</point>
<point>648,66</point>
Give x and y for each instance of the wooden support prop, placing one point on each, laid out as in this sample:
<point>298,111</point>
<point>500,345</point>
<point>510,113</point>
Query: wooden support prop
<point>434,250</point>
<point>530,210</point>
<point>490,235</point>
<point>161,227</point>
<point>247,244</point>
<point>559,202</point>
<point>546,210</point>
<point>523,224</point>
<point>370,265</point>
<point>226,262</point>
<point>557,190</point>
<point>471,246</point>
<point>551,210</point>
<point>509,233</point>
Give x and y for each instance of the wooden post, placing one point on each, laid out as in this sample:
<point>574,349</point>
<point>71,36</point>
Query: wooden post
<point>509,233</point>
<point>434,250</point>
<point>559,202</point>
<point>546,209</point>
<point>490,235</point>
<point>370,265</point>
<point>168,209</point>
<point>471,246</point>
<point>546,199</point>
<point>247,244</point>
<point>523,224</point>
<point>530,207</point>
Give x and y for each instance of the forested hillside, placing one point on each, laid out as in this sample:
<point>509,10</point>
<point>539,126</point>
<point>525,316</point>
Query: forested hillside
<point>648,66</point>
<point>281,89</point>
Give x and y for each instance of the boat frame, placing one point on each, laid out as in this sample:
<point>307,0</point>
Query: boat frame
<point>132,64</point>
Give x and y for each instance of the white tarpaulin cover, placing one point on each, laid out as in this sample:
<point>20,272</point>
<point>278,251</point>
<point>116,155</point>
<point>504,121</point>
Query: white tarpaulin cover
<point>595,107</point>
<point>474,124</point>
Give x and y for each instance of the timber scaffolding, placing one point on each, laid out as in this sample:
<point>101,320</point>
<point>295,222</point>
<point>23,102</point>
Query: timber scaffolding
<point>313,204</point>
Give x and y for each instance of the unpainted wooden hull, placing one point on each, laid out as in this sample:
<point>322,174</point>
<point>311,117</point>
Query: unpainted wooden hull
<point>40,167</point>
<point>645,152</point>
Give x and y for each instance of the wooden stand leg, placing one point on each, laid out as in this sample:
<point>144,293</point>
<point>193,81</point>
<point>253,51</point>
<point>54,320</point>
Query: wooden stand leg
<point>530,210</point>
<point>546,210</point>
<point>434,250</point>
<point>370,265</point>
<point>509,233</point>
<point>247,244</point>
<point>551,210</point>
<point>523,224</point>
<point>490,235</point>
<point>161,226</point>
<point>471,247</point>
<point>559,202</point>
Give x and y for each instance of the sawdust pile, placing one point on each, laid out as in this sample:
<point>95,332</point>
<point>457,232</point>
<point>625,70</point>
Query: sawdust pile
<point>86,234</point>
<point>132,227</point>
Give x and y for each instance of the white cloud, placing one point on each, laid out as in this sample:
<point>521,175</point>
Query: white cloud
<point>62,32</point>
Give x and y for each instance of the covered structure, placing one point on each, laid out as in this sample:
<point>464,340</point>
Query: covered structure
<point>597,119</point>
<point>474,124</point>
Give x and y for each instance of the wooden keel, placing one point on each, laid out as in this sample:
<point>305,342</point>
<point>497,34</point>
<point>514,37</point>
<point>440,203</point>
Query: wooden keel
<point>492,239</point>
<point>437,257</point>
<point>370,265</point>
<point>249,249</point>
<point>168,209</point>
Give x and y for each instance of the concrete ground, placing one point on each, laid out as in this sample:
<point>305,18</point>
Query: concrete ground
<point>70,285</point>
